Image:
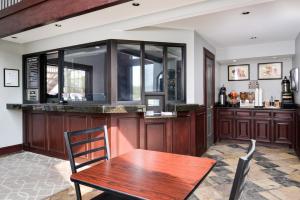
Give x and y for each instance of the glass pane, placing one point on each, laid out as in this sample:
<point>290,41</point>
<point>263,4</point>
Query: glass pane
<point>85,74</point>
<point>52,76</point>
<point>175,74</point>
<point>154,69</point>
<point>129,72</point>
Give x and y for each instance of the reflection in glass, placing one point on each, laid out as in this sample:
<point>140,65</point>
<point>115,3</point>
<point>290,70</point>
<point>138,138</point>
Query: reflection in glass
<point>85,74</point>
<point>129,72</point>
<point>154,73</point>
<point>175,74</point>
<point>52,76</point>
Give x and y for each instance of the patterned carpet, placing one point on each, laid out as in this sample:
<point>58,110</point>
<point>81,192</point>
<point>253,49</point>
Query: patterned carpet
<point>274,175</point>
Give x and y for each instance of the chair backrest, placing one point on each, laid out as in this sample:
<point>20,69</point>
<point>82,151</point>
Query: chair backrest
<point>241,173</point>
<point>90,137</point>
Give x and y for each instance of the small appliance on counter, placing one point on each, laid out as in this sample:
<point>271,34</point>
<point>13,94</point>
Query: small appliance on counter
<point>222,96</point>
<point>247,99</point>
<point>258,98</point>
<point>287,95</point>
<point>234,102</point>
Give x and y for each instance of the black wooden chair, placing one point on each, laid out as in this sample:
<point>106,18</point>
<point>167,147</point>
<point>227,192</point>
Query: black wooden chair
<point>242,171</point>
<point>88,136</point>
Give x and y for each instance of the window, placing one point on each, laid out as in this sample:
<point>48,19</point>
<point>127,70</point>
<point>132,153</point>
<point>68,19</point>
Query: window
<point>154,73</point>
<point>175,82</point>
<point>129,72</point>
<point>52,77</point>
<point>85,74</point>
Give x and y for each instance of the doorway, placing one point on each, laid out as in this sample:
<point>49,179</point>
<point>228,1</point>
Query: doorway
<point>209,94</point>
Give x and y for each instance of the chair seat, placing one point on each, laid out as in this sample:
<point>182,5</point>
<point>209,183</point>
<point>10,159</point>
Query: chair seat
<point>108,196</point>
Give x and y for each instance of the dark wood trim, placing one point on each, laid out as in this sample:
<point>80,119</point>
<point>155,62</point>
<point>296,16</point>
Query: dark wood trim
<point>11,149</point>
<point>28,14</point>
<point>208,54</point>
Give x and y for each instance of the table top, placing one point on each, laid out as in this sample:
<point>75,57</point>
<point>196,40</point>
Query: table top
<point>147,174</point>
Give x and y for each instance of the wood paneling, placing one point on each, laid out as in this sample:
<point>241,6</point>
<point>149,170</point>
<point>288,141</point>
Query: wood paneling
<point>297,145</point>
<point>34,13</point>
<point>155,136</point>
<point>55,138</point>
<point>124,133</point>
<point>201,135</point>
<point>38,131</point>
<point>97,121</point>
<point>182,134</point>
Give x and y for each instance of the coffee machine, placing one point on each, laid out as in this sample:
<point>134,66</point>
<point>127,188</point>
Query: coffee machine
<point>222,96</point>
<point>287,96</point>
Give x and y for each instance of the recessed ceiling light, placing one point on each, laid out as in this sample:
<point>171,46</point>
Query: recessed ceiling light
<point>136,4</point>
<point>97,47</point>
<point>234,60</point>
<point>58,25</point>
<point>253,38</point>
<point>14,37</point>
<point>246,13</point>
<point>274,57</point>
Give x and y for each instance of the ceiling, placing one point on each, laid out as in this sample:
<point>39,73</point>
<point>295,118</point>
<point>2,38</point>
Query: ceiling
<point>273,21</point>
<point>102,17</point>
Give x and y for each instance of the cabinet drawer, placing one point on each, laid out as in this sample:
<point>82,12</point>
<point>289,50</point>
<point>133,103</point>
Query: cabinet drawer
<point>226,113</point>
<point>284,115</point>
<point>243,113</point>
<point>261,114</point>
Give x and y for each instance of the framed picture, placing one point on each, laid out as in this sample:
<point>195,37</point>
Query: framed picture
<point>11,77</point>
<point>239,72</point>
<point>270,71</point>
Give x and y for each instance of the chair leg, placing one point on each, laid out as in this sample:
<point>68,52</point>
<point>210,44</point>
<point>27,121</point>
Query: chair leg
<point>78,192</point>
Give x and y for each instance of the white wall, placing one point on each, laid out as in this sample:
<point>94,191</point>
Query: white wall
<point>270,87</point>
<point>297,64</point>
<point>10,121</point>
<point>194,42</point>
<point>256,50</point>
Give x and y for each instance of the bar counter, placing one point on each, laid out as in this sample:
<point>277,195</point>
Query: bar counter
<point>183,132</point>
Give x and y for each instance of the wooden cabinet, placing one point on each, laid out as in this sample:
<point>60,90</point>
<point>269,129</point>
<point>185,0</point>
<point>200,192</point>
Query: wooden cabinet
<point>297,138</point>
<point>201,135</point>
<point>270,126</point>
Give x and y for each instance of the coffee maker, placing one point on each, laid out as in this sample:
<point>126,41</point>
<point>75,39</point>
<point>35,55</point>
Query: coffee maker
<point>287,96</point>
<point>222,96</point>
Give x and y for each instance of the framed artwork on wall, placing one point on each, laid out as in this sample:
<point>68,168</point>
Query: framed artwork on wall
<point>269,71</point>
<point>239,72</point>
<point>11,77</point>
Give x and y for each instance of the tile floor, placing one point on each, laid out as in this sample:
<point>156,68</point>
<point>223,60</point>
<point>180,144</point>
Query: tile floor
<point>274,175</point>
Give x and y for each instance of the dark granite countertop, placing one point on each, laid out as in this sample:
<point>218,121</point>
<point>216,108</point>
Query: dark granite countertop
<point>99,108</point>
<point>255,108</point>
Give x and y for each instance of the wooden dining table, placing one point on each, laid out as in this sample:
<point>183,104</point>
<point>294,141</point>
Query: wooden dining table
<point>144,174</point>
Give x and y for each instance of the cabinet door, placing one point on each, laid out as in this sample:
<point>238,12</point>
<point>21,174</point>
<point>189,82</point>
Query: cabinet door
<point>262,130</point>
<point>243,129</point>
<point>283,131</point>
<point>226,128</point>
<point>182,135</point>
<point>38,131</point>
<point>55,135</point>
<point>297,145</point>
